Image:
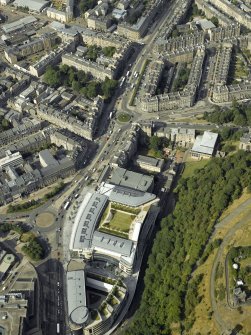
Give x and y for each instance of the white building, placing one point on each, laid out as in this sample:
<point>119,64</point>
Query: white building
<point>33,5</point>
<point>76,298</point>
<point>10,159</point>
<point>204,146</point>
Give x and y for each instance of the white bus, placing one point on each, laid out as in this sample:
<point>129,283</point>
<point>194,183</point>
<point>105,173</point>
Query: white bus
<point>58,328</point>
<point>66,206</point>
<point>122,82</point>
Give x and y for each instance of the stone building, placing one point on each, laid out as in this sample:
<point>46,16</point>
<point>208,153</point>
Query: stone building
<point>180,99</point>
<point>233,11</point>
<point>182,42</point>
<point>45,42</point>
<point>211,11</point>
<point>225,33</point>
<point>222,63</point>
<point>53,58</point>
<point>139,29</point>
<point>245,142</point>
<point>224,93</point>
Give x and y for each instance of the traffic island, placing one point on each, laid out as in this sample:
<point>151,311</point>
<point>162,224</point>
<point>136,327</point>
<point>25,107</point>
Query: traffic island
<point>124,117</point>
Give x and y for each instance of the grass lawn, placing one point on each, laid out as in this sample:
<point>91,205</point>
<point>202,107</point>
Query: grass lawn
<point>203,309</point>
<point>26,236</point>
<point>124,117</point>
<point>196,120</point>
<point>190,167</point>
<point>121,221</point>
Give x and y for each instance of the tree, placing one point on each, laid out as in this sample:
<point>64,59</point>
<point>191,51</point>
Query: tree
<point>64,69</point>
<point>240,120</point>
<point>109,51</point>
<point>93,52</point>
<point>52,77</point>
<point>170,295</point>
<point>6,124</point>
<point>154,143</point>
<point>108,87</point>
<point>215,21</point>
<point>76,86</point>
<point>92,89</point>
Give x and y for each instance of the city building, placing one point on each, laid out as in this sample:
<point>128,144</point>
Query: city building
<point>233,11</point>
<point>245,142</point>
<point>210,11</point>
<point>179,99</point>
<point>183,137</point>
<point>52,58</point>
<point>205,146</point>
<point>140,28</point>
<point>222,63</point>
<point>34,5</point>
<point>91,239</point>
<point>132,179</point>
<point>76,299</point>
<point>6,262</point>
<point>149,163</point>
<point>44,42</point>
<point>14,307</point>
<point>20,24</point>
<point>10,159</point>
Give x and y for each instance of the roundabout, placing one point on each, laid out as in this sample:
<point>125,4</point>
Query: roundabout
<point>45,219</point>
<point>124,117</point>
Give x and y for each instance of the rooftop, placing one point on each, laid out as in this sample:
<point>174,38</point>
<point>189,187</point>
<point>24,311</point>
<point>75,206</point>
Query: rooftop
<point>19,24</point>
<point>205,144</point>
<point>205,24</point>
<point>76,297</point>
<point>112,243</point>
<point>131,179</point>
<point>34,5</point>
<point>125,195</point>
<point>150,160</point>
<point>86,219</point>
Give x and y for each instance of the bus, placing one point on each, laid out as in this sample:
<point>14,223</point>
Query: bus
<point>66,206</point>
<point>58,328</point>
<point>122,82</point>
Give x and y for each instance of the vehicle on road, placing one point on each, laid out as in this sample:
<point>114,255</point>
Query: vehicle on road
<point>58,328</point>
<point>66,206</point>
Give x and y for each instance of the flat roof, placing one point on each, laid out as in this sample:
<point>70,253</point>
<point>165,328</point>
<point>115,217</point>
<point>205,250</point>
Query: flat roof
<point>150,160</point>
<point>125,195</point>
<point>131,179</point>
<point>47,157</point>
<point>205,24</point>
<point>183,131</point>
<point>34,5</point>
<point>76,297</point>
<point>86,220</point>
<point>8,27</point>
<point>205,143</point>
<point>112,243</point>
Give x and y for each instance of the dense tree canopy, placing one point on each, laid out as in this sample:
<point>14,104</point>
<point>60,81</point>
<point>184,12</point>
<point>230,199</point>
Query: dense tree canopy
<point>167,297</point>
<point>238,114</point>
<point>84,5</point>
<point>79,81</point>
